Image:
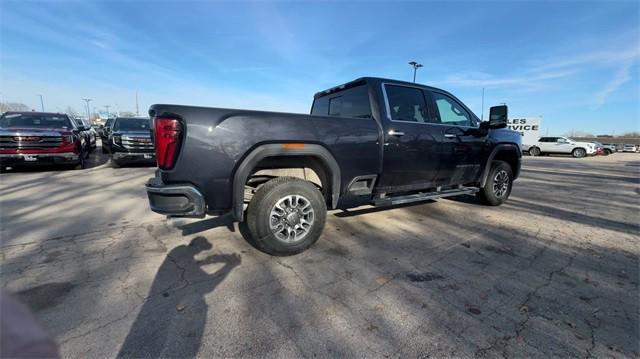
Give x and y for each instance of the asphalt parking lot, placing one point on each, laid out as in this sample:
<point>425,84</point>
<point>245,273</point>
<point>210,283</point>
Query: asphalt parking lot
<point>554,272</point>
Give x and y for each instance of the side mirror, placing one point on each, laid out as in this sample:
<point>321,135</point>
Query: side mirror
<point>498,116</point>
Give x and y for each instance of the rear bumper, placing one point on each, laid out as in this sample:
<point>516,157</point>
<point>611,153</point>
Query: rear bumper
<point>180,200</point>
<point>8,159</point>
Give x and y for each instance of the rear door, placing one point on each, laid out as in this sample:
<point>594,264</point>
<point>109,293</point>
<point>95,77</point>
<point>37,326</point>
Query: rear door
<point>563,145</point>
<point>544,144</point>
<point>462,146</point>
<point>412,141</point>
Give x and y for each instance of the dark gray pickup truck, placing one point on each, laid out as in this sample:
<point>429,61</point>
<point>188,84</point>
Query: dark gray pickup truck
<point>370,141</point>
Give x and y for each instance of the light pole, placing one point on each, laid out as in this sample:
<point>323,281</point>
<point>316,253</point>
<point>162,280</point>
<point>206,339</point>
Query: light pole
<point>41,103</point>
<point>107,107</point>
<point>87,100</point>
<point>416,66</point>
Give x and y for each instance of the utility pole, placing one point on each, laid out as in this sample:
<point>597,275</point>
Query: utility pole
<point>41,103</point>
<point>482,114</point>
<point>416,66</point>
<point>87,100</point>
<point>137,110</point>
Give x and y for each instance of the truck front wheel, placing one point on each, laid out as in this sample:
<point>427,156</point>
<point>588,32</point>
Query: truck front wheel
<point>286,216</point>
<point>498,186</point>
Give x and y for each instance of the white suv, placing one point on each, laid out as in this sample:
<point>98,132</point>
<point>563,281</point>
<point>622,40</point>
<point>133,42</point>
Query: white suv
<point>562,145</point>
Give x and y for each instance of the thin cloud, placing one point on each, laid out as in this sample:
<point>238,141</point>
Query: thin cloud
<point>528,80</point>
<point>622,76</point>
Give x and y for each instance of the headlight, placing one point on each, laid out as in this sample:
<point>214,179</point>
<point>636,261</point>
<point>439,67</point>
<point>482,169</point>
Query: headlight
<point>67,138</point>
<point>117,140</point>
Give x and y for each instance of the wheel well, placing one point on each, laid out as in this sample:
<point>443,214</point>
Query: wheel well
<point>511,157</point>
<point>307,167</point>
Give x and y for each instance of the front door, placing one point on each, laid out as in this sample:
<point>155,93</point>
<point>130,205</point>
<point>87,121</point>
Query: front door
<point>462,146</point>
<point>412,143</point>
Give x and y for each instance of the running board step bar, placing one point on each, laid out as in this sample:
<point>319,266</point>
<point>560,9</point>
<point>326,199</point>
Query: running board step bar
<point>423,196</point>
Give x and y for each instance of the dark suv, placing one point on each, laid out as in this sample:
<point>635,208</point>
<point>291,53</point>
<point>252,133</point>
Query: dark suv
<point>104,134</point>
<point>130,141</point>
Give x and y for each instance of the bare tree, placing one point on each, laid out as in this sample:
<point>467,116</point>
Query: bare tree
<point>631,134</point>
<point>13,106</point>
<point>580,134</point>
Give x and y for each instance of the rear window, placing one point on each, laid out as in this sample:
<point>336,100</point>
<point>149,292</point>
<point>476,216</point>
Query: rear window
<point>132,124</point>
<point>353,102</point>
<point>35,120</point>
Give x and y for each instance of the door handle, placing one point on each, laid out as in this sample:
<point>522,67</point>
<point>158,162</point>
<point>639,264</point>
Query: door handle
<point>395,133</point>
<point>450,135</point>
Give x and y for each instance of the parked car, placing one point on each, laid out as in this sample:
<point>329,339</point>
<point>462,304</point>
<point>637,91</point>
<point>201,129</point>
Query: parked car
<point>91,132</point>
<point>104,135</point>
<point>369,141</point>
<point>36,138</point>
<point>97,128</point>
<point>609,148</point>
<point>562,145</point>
<point>130,141</point>
<point>628,147</point>
<point>600,150</point>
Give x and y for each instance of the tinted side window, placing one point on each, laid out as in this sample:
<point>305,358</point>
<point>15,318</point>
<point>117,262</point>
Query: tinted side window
<point>406,104</point>
<point>320,106</point>
<point>450,111</point>
<point>353,102</point>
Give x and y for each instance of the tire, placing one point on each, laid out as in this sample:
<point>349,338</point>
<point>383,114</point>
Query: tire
<point>607,152</point>
<point>534,151</point>
<point>579,152</point>
<point>498,187</point>
<point>82,164</point>
<point>115,164</point>
<point>270,203</point>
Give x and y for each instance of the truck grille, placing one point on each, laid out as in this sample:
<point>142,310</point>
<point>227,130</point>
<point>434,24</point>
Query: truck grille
<point>137,143</point>
<point>19,142</point>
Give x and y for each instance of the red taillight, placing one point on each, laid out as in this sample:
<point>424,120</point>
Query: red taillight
<point>167,134</point>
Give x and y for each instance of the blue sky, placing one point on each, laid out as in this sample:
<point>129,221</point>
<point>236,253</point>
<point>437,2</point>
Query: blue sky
<point>574,63</point>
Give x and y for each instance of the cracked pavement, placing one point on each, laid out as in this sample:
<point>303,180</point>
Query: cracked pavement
<point>553,272</point>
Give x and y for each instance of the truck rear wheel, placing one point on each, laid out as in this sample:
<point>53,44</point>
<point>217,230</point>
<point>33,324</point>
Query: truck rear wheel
<point>286,216</point>
<point>498,186</point>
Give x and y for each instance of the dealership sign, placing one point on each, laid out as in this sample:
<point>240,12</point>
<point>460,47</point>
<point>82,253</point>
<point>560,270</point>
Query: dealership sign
<point>529,129</point>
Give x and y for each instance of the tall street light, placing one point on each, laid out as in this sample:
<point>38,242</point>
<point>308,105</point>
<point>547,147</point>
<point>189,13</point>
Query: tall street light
<point>87,100</point>
<point>107,107</point>
<point>416,66</point>
<point>41,103</point>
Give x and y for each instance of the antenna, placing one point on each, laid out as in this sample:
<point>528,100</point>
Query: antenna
<point>482,113</point>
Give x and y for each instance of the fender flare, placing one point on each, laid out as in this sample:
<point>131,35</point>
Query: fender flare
<point>277,149</point>
<point>498,148</point>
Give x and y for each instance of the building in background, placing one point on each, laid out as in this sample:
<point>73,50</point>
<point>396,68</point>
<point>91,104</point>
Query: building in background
<point>529,129</point>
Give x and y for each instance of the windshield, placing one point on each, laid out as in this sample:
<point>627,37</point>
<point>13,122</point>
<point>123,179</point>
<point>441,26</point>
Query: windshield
<point>35,120</point>
<point>132,124</point>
